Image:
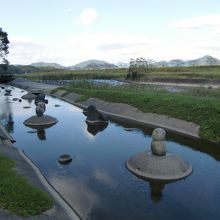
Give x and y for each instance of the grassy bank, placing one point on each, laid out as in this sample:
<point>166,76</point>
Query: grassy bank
<point>193,105</point>
<point>205,72</point>
<point>17,195</point>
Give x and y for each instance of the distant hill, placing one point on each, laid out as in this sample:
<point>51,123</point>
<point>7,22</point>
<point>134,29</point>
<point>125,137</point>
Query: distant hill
<point>43,64</point>
<point>202,61</point>
<point>100,64</point>
<point>93,64</point>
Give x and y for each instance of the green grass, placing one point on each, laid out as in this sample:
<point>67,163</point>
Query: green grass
<point>189,106</point>
<point>17,195</point>
<point>205,72</point>
<point>76,74</point>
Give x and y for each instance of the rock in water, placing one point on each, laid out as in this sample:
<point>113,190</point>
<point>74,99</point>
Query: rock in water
<point>64,159</point>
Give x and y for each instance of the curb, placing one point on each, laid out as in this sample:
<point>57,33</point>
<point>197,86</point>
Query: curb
<point>55,194</point>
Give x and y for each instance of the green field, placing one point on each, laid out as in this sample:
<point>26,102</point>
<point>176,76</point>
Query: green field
<point>201,106</point>
<point>205,72</point>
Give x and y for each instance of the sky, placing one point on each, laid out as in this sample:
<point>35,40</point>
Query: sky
<point>70,31</point>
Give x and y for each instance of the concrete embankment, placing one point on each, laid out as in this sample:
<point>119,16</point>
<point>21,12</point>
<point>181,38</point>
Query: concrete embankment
<point>127,113</point>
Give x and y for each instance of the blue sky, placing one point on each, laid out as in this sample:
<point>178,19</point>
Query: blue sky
<point>69,31</point>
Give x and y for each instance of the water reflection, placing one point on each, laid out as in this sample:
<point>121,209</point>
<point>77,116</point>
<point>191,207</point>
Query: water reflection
<point>41,134</point>
<point>77,192</point>
<point>6,118</point>
<point>157,188</point>
<point>96,127</point>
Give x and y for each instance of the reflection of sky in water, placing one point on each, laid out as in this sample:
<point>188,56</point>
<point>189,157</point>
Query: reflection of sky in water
<point>97,183</point>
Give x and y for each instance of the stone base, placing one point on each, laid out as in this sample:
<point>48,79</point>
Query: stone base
<point>42,121</point>
<point>169,167</point>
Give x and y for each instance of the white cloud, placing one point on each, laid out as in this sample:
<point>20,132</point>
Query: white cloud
<point>197,22</point>
<point>111,47</point>
<point>88,16</point>
<point>23,50</point>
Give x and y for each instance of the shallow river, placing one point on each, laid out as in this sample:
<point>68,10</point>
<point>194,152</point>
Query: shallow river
<point>96,183</point>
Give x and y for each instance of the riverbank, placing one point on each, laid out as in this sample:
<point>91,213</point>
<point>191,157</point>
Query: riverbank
<point>120,111</point>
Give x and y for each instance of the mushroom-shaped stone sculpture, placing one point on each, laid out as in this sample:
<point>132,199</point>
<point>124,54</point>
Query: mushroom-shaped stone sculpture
<point>158,164</point>
<point>40,120</point>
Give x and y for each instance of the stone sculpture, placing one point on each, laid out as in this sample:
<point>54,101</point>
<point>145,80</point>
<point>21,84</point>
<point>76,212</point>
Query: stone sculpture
<point>94,116</point>
<point>40,98</point>
<point>40,120</point>
<point>158,145</point>
<point>40,109</point>
<point>158,164</point>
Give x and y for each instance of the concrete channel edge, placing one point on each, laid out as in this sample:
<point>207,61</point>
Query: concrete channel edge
<point>53,192</point>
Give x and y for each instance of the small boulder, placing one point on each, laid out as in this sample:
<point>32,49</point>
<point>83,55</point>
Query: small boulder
<point>64,159</point>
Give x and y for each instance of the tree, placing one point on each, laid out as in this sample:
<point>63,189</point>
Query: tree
<point>3,51</point>
<point>137,68</point>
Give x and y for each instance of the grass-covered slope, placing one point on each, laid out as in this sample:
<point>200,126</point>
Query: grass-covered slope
<point>200,106</point>
<point>17,195</point>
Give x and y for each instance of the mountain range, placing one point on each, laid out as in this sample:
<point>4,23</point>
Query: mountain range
<point>100,64</point>
<point>202,61</point>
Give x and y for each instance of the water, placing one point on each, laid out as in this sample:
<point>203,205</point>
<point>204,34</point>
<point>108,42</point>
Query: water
<point>111,82</point>
<point>96,183</point>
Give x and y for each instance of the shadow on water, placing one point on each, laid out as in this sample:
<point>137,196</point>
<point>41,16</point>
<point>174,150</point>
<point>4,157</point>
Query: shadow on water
<point>96,127</point>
